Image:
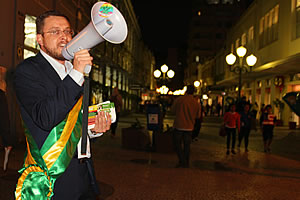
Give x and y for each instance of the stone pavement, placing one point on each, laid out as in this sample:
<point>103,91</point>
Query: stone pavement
<point>144,175</point>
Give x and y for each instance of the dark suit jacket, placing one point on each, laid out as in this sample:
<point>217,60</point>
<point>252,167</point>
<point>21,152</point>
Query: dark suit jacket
<point>45,99</point>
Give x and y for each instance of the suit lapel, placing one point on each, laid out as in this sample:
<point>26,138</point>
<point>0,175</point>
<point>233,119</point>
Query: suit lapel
<point>48,69</point>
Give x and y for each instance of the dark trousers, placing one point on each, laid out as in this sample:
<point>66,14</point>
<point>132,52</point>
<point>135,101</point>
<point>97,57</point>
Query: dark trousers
<point>197,128</point>
<point>114,125</point>
<point>231,133</point>
<point>74,183</point>
<point>244,134</point>
<point>268,132</point>
<point>182,141</point>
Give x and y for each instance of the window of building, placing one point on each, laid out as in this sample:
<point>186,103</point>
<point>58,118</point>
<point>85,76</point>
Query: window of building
<point>244,39</point>
<point>298,18</point>
<point>268,27</point>
<point>237,43</point>
<point>251,34</point>
<point>30,44</point>
<point>261,25</point>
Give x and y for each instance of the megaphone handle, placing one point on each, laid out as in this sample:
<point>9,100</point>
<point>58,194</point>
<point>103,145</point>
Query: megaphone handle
<point>85,101</point>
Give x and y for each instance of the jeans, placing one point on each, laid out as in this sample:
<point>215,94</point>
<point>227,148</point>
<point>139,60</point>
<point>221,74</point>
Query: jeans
<point>244,133</point>
<point>182,141</point>
<point>231,132</point>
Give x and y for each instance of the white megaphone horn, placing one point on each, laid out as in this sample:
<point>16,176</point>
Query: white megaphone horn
<point>107,23</point>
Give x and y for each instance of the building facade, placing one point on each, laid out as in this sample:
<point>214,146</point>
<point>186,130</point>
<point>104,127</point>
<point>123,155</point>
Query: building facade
<point>269,30</point>
<point>124,65</point>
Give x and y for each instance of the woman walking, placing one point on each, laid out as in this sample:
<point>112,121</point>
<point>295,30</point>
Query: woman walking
<point>246,119</point>
<point>267,122</point>
<point>231,122</point>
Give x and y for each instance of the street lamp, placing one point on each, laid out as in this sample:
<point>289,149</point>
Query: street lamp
<point>240,68</point>
<point>164,69</point>
<point>196,84</point>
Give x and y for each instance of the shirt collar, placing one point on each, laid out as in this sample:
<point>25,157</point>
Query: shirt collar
<point>61,70</point>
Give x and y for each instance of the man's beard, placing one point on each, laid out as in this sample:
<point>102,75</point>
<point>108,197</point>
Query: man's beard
<point>51,52</point>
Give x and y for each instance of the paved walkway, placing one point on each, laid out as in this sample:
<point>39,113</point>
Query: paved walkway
<point>140,175</point>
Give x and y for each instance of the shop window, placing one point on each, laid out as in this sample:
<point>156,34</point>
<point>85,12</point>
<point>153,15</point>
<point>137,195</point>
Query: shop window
<point>95,74</point>
<point>124,82</point>
<point>120,81</point>
<point>30,44</point>
<point>114,78</point>
<point>127,85</point>
<point>268,82</point>
<point>107,77</point>
<point>100,76</point>
<point>259,84</point>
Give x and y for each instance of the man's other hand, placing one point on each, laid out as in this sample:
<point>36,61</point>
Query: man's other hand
<point>103,122</point>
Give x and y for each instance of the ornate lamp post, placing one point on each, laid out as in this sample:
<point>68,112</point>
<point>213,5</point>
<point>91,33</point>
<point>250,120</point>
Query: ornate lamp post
<point>164,70</point>
<point>197,84</point>
<point>240,68</point>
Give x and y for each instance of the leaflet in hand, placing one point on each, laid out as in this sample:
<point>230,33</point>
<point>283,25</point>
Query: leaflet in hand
<point>106,106</point>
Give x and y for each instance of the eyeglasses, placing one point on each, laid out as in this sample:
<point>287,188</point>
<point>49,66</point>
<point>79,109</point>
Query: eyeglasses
<point>67,32</point>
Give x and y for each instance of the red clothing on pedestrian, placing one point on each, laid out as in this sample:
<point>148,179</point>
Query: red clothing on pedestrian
<point>186,109</point>
<point>232,120</point>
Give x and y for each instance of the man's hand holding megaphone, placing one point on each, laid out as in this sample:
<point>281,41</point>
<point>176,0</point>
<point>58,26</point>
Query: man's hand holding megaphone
<point>81,59</point>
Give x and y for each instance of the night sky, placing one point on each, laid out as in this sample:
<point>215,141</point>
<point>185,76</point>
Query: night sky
<point>164,24</point>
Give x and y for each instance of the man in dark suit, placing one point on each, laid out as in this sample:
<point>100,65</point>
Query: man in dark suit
<point>48,89</point>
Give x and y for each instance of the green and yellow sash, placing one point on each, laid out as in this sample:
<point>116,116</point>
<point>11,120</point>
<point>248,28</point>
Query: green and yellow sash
<point>42,167</point>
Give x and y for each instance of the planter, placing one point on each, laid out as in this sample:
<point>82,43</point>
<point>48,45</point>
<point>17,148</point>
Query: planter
<point>292,125</point>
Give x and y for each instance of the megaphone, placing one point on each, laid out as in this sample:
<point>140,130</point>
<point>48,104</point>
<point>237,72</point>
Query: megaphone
<point>107,24</point>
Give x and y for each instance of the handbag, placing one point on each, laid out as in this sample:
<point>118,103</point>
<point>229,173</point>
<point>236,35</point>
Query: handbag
<point>222,131</point>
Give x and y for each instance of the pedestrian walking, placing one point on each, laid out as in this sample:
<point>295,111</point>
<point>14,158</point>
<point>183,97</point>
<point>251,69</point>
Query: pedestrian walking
<point>117,99</point>
<point>186,110</point>
<point>49,91</point>
<point>245,120</point>
<point>268,122</point>
<point>231,122</point>
<point>254,111</point>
